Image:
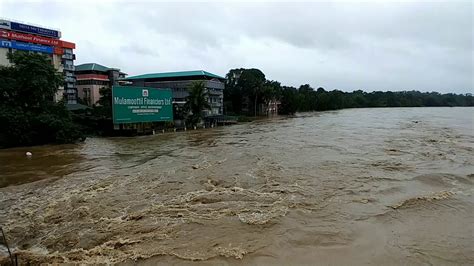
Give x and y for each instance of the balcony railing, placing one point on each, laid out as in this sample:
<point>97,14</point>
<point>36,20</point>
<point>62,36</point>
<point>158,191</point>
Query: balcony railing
<point>70,85</point>
<point>184,84</point>
<point>69,67</point>
<point>69,56</point>
<point>216,104</point>
<point>71,79</point>
<point>215,84</point>
<point>215,92</point>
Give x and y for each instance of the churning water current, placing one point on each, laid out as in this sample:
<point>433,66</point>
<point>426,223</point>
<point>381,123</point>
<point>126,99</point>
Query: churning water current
<point>358,186</point>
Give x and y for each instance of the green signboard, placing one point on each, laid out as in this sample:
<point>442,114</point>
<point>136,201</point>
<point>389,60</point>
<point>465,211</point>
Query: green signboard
<point>141,104</point>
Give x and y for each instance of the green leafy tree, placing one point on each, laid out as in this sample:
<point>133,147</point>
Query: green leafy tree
<point>104,104</point>
<point>29,114</point>
<point>180,112</point>
<point>289,101</point>
<point>31,78</point>
<point>271,91</point>
<point>233,94</point>
<point>197,103</point>
<point>249,85</point>
<point>105,97</point>
<point>306,98</point>
<point>252,82</point>
<point>244,85</point>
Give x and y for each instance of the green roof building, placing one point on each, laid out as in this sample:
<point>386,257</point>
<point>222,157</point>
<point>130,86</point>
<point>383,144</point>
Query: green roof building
<point>181,74</point>
<point>91,77</point>
<point>179,82</point>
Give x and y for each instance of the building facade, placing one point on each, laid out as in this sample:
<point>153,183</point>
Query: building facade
<point>91,77</point>
<point>33,39</point>
<point>179,83</point>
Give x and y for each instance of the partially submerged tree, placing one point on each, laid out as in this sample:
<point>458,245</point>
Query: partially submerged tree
<point>197,103</point>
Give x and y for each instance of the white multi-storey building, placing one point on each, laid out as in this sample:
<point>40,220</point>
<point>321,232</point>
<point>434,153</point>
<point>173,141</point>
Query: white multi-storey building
<point>34,39</point>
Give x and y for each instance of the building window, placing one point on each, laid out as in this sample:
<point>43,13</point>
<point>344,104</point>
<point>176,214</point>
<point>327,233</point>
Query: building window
<point>87,95</point>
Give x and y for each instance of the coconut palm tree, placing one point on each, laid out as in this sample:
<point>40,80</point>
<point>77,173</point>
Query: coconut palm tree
<point>197,103</point>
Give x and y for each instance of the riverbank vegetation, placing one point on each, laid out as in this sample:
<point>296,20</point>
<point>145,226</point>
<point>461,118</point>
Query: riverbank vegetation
<point>246,89</point>
<point>29,115</point>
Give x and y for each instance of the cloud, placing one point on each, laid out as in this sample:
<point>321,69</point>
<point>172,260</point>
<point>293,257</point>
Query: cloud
<point>373,46</point>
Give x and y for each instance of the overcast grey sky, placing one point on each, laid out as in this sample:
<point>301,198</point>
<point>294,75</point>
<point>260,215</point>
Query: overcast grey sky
<point>337,45</point>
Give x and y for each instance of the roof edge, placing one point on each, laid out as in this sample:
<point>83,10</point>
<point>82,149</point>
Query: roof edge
<point>176,74</point>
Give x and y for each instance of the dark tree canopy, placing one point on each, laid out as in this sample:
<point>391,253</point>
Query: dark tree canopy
<point>244,86</point>
<point>247,84</point>
<point>289,101</point>
<point>29,115</point>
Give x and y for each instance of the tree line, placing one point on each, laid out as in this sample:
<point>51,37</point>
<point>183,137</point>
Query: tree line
<point>249,87</point>
<point>30,116</point>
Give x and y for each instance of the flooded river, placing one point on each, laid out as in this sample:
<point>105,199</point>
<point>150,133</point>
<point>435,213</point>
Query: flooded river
<point>353,187</point>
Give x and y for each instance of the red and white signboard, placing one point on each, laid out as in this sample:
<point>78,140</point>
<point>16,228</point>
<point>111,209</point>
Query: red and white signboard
<point>58,50</point>
<point>69,45</point>
<point>35,39</point>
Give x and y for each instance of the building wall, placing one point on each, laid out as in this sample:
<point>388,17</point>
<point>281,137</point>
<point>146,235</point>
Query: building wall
<point>179,89</point>
<point>67,60</point>
<point>56,59</point>
<point>89,93</point>
<point>57,63</point>
<point>59,94</point>
<point>80,92</point>
<point>3,57</point>
<point>114,75</point>
<point>90,81</point>
<point>89,85</point>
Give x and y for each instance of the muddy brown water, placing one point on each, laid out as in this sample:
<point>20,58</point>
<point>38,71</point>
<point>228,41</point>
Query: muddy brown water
<point>358,186</point>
